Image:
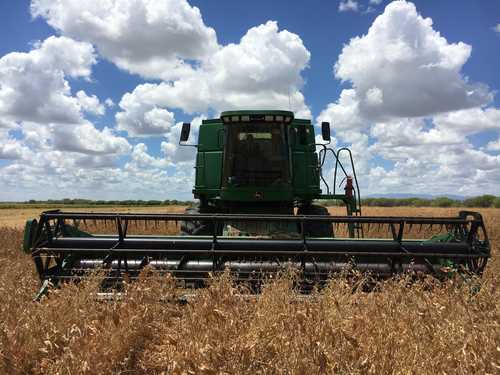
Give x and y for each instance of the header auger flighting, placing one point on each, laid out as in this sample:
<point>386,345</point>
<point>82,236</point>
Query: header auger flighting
<point>257,177</point>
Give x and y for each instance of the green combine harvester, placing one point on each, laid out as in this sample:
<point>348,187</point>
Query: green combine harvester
<point>258,181</point>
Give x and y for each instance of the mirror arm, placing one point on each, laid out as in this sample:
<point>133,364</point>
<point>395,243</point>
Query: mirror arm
<point>187,145</point>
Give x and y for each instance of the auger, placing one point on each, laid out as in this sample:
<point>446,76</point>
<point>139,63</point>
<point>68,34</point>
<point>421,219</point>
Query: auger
<point>258,178</point>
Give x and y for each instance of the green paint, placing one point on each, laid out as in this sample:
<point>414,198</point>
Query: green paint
<point>446,237</point>
<point>212,183</point>
<point>72,231</point>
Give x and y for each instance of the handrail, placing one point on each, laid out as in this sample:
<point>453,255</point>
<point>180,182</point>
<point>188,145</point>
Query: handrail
<point>357,192</point>
<point>338,164</point>
<point>322,159</point>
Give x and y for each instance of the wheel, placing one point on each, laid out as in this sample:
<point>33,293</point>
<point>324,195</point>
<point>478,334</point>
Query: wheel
<point>29,235</point>
<point>195,227</point>
<point>316,229</point>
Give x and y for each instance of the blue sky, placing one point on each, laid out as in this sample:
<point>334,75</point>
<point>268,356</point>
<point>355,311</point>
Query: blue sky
<point>324,31</point>
<point>91,98</point>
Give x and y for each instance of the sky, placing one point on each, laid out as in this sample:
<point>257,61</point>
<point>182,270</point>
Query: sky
<point>93,94</point>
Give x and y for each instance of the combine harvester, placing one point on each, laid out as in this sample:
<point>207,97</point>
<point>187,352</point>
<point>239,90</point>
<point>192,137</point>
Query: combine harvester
<point>258,174</point>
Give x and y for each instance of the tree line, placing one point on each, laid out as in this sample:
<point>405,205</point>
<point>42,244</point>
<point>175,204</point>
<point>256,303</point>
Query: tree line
<point>91,203</point>
<point>479,201</point>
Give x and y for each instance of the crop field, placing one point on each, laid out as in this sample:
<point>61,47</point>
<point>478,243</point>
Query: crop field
<point>16,217</point>
<point>401,327</point>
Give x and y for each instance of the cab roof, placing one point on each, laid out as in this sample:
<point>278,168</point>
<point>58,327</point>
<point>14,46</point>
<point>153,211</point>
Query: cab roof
<point>257,112</point>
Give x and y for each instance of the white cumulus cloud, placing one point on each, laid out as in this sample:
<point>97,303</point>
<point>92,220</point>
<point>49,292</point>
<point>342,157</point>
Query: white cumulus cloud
<point>348,6</point>
<point>85,138</point>
<point>470,121</point>
<point>53,137</point>
<point>414,69</point>
<point>165,40</point>
<point>409,95</point>
<point>140,158</point>
<point>11,148</point>
<point>109,103</point>
<point>143,119</point>
<point>407,103</point>
<point>493,145</point>
<point>267,75</point>
<point>148,37</point>
<point>34,86</point>
<point>90,104</point>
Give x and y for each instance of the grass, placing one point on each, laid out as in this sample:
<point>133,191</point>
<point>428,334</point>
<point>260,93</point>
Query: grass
<point>402,328</point>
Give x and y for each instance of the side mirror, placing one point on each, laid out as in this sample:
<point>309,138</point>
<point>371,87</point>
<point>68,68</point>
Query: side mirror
<point>325,131</point>
<point>186,128</point>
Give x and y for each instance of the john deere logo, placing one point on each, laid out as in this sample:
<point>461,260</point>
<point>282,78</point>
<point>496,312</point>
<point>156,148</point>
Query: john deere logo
<point>259,195</point>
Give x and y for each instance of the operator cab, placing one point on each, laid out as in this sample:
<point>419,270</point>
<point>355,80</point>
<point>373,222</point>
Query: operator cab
<point>256,149</point>
<point>266,157</point>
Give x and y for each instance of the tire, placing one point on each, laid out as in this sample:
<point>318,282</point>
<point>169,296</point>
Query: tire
<point>194,227</point>
<point>316,229</point>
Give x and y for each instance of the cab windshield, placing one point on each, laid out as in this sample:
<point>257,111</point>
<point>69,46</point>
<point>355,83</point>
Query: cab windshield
<point>256,154</point>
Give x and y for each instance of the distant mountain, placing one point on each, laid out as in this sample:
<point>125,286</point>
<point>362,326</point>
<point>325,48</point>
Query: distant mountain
<point>422,196</point>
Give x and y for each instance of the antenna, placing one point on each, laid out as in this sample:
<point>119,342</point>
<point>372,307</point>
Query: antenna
<point>289,100</point>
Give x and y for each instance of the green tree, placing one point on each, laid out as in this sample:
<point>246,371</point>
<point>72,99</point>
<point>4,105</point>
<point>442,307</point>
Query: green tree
<point>443,202</point>
<point>480,201</point>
